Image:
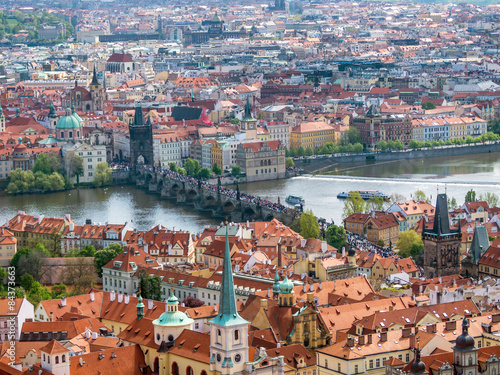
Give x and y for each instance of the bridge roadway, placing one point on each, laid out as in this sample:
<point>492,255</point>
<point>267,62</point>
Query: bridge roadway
<point>204,197</point>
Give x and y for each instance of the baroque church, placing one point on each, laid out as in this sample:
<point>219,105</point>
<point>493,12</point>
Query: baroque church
<point>84,100</point>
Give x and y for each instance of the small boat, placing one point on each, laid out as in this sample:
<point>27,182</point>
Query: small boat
<point>295,199</point>
<point>365,194</point>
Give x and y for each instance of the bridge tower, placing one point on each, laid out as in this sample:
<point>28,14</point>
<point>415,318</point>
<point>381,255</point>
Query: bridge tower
<point>141,140</point>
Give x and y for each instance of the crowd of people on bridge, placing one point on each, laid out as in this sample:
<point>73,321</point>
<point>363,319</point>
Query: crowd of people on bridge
<point>364,245</point>
<point>223,190</point>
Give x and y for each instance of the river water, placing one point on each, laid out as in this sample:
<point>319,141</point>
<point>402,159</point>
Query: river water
<point>119,204</point>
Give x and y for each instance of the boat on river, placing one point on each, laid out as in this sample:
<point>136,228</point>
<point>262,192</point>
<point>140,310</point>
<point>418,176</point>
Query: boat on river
<point>365,194</point>
<point>295,199</point>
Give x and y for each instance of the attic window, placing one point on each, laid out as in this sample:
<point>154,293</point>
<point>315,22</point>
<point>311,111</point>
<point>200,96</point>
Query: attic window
<point>196,347</point>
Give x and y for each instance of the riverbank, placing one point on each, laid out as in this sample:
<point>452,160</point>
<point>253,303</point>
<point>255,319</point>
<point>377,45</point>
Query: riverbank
<point>319,163</point>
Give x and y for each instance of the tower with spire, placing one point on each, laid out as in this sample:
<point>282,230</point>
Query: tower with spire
<point>441,243</point>
<point>141,140</point>
<point>249,124</point>
<point>52,118</point>
<point>96,92</point>
<point>2,120</point>
<point>228,330</point>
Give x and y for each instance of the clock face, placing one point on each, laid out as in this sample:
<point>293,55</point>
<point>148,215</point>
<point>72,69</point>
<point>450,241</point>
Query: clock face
<point>237,358</point>
<point>219,357</point>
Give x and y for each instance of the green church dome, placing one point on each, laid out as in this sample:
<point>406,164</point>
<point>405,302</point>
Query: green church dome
<point>68,121</point>
<point>286,286</point>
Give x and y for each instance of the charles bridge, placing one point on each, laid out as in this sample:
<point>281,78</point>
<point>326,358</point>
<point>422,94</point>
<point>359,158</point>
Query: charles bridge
<point>210,199</point>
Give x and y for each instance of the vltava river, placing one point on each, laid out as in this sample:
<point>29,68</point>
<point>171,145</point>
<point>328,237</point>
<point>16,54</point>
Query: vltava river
<point>120,204</point>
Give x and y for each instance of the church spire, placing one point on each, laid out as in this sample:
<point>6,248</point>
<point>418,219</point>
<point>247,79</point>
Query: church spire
<point>138,117</point>
<point>441,218</point>
<point>248,111</point>
<point>228,313</point>
<point>94,77</point>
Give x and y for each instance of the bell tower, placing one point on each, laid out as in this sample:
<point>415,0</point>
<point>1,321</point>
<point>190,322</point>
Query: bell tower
<point>228,330</point>
<point>2,120</point>
<point>52,118</point>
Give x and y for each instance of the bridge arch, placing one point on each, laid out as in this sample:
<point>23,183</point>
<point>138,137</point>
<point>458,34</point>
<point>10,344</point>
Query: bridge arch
<point>228,207</point>
<point>148,178</point>
<point>191,195</point>
<point>175,188</point>
<point>269,217</point>
<point>249,213</point>
<point>210,201</point>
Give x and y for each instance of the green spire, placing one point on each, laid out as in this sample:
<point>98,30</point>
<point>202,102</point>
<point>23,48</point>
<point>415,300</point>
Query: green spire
<point>192,95</point>
<point>94,77</point>
<point>276,285</point>
<point>1,112</point>
<point>228,313</point>
<point>248,111</point>
<point>18,112</point>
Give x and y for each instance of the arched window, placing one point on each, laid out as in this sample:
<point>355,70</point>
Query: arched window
<point>203,372</point>
<point>156,365</point>
<point>48,359</point>
<point>63,359</point>
<point>175,368</point>
<point>57,359</point>
<point>237,335</point>
<point>62,135</point>
<point>70,134</point>
<point>470,360</point>
<point>189,371</point>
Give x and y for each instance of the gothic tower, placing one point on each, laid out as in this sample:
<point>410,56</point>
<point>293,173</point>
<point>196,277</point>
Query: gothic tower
<point>249,124</point>
<point>228,330</point>
<point>441,244</point>
<point>141,140</point>
<point>97,93</point>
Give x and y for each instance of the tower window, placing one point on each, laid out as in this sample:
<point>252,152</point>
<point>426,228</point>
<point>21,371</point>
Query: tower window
<point>237,335</point>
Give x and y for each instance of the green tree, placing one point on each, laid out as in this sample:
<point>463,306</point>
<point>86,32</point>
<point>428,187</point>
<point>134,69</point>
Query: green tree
<point>358,147</point>
<point>216,169</point>
<point>172,166</point>
<point>46,163</point>
<point>470,196</point>
<point>79,273</point>
<point>406,239</point>
<point>289,163</point>
<point>309,151</point>
<point>181,171</point>
<point>204,173</point>
<point>380,242</point>
<point>301,151</point>
<point>59,290</point>
<point>397,197</point>
<point>352,136</point>
<point>102,257</point>
<point>494,126</point>
<point>382,145</point>
<point>415,144</point>
<point>87,251</point>
<point>336,236</point>
<point>293,152</point>
<point>32,262</point>
<point>374,204</point>
<point>235,170</point>
<point>103,175</point>
<point>309,227</point>
<point>354,203</point>
<point>75,167</point>
<point>14,262</point>
<point>149,286</point>
<point>420,196</point>
<point>56,182</point>
<point>491,198</point>
<point>452,203</point>
<point>428,105</point>
<point>26,281</point>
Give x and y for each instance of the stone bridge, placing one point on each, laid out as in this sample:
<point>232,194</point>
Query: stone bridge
<point>208,200</point>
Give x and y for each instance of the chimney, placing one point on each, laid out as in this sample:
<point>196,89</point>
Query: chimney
<point>127,299</point>
<point>279,254</point>
<point>406,332</point>
<point>431,328</point>
<point>63,301</point>
<point>343,251</point>
<point>51,316</point>
<point>112,296</point>
<point>146,249</point>
<point>268,293</point>
<point>92,297</point>
<point>94,335</point>
<point>263,303</point>
<point>120,298</point>
<point>150,304</point>
<point>71,227</point>
<point>361,340</point>
<point>451,326</point>
<point>383,336</point>
<point>320,286</point>
<point>304,287</point>
<point>303,242</point>
<point>495,318</point>
<point>350,342</point>
<point>310,297</point>
<point>369,339</point>
<point>323,246</point>
<point>311,287</point>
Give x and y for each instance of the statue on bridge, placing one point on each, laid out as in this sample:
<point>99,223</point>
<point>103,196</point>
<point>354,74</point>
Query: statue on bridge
<point>199,183</point>
<point>238,192</point>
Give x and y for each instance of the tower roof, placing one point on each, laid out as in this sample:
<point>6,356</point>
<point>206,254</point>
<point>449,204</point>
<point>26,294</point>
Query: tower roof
<point>94,77</point>
<point>441,216</point>
<point>248,111</point>
<point>138,116</point>
<point>228,313</point>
